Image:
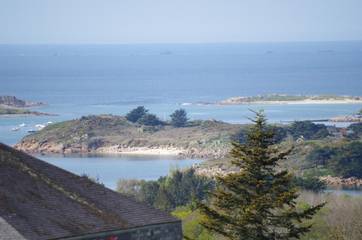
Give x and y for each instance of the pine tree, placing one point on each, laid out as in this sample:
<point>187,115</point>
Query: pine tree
<point>258,202</point>
<point>135,114</point>
<point>179,118</point>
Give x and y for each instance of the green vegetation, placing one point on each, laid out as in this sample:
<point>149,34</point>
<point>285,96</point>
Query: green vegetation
<point>343,160</point>
<point>280,133</point>
<point>308,130</point>
<point>150,120</point>
<point>340,219</point>
<point>140,115</point>
<point>179,118</point>
<point>14,111</point>
<point>310,183</point>
<point>356,128</point>
<point>5,111</point>
<point>209,139</point>
<point>177,189</point>
<point>191,227</point>
<point>259,201</point>
<point>135,114</point>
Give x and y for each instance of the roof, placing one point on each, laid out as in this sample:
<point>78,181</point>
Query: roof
<point>41,201</point>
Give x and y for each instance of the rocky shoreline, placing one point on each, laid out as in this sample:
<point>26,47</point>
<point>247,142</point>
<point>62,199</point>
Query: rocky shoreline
<point>34,147</point>
<point>341,182</point>
<point>334,182</point>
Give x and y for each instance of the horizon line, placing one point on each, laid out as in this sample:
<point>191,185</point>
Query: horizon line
<point>187,43</point>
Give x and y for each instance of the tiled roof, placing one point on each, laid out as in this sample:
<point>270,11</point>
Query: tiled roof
<point>42,201</point>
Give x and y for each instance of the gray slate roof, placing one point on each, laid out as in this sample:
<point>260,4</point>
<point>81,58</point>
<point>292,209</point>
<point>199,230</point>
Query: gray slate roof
<point>42,201</point>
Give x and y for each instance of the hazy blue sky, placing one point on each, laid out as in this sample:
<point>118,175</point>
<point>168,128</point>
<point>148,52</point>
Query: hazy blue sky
<point>150,21</point>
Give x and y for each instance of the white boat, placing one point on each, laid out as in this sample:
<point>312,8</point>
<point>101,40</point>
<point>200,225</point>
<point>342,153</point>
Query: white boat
<point>22,125</point>
<point>15,129</point>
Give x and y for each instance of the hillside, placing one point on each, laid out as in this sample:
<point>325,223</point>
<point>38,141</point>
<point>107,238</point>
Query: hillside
<point>114,134</point>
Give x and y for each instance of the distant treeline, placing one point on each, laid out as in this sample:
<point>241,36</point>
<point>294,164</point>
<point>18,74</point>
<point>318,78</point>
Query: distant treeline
<point>184,187</point>
<point>306,130</point>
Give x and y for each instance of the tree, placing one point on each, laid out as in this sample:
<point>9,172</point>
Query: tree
<point>135,114</point>
<point>308,130</point>
<point>179,188</point>
<point>150,120</point>
<point>258,202</point>
<point>179,118</point>
<point>356,128</point>
<point>347,162</point>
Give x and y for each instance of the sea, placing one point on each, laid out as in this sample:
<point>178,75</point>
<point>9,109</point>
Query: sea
<point>79,80</point>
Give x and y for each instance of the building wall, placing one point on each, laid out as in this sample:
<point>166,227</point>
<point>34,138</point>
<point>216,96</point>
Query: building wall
<point>167,231</point>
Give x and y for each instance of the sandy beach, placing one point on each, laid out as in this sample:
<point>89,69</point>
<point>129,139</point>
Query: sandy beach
<point>301,102</point>
<point>141,151</point>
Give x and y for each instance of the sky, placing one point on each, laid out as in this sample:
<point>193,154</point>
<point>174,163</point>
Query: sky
<point>178,21</point>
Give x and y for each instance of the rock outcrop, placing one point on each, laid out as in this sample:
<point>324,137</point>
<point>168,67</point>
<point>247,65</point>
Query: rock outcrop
<point>12,101</point>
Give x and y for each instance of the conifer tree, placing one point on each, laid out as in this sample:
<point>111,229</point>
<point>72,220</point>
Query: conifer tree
<point>259,201</point>
<point>179,118</point>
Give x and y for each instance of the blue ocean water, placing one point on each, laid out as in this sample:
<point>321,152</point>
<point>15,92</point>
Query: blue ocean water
<point>108,169</point>
<point>76,80</point>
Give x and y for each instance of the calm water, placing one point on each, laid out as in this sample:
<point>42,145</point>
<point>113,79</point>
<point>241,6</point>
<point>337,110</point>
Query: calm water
<point>109,169</point>
<point>92,79</point>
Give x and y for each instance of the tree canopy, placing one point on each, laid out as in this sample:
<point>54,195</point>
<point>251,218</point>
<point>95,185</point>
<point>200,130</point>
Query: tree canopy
<point>308,130</point>
<point>150,120</point>
<point>135,114</point>
<point>258,202</point>
<point>179,118</point>
<point>343,160</point>
<point>177,189</point>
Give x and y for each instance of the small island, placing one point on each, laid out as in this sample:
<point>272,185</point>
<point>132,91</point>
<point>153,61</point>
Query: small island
<point>110,134</point>
<point>12,101</point>
<point>287,99</point>
<point>10,106</point>
<point>4,111</point>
